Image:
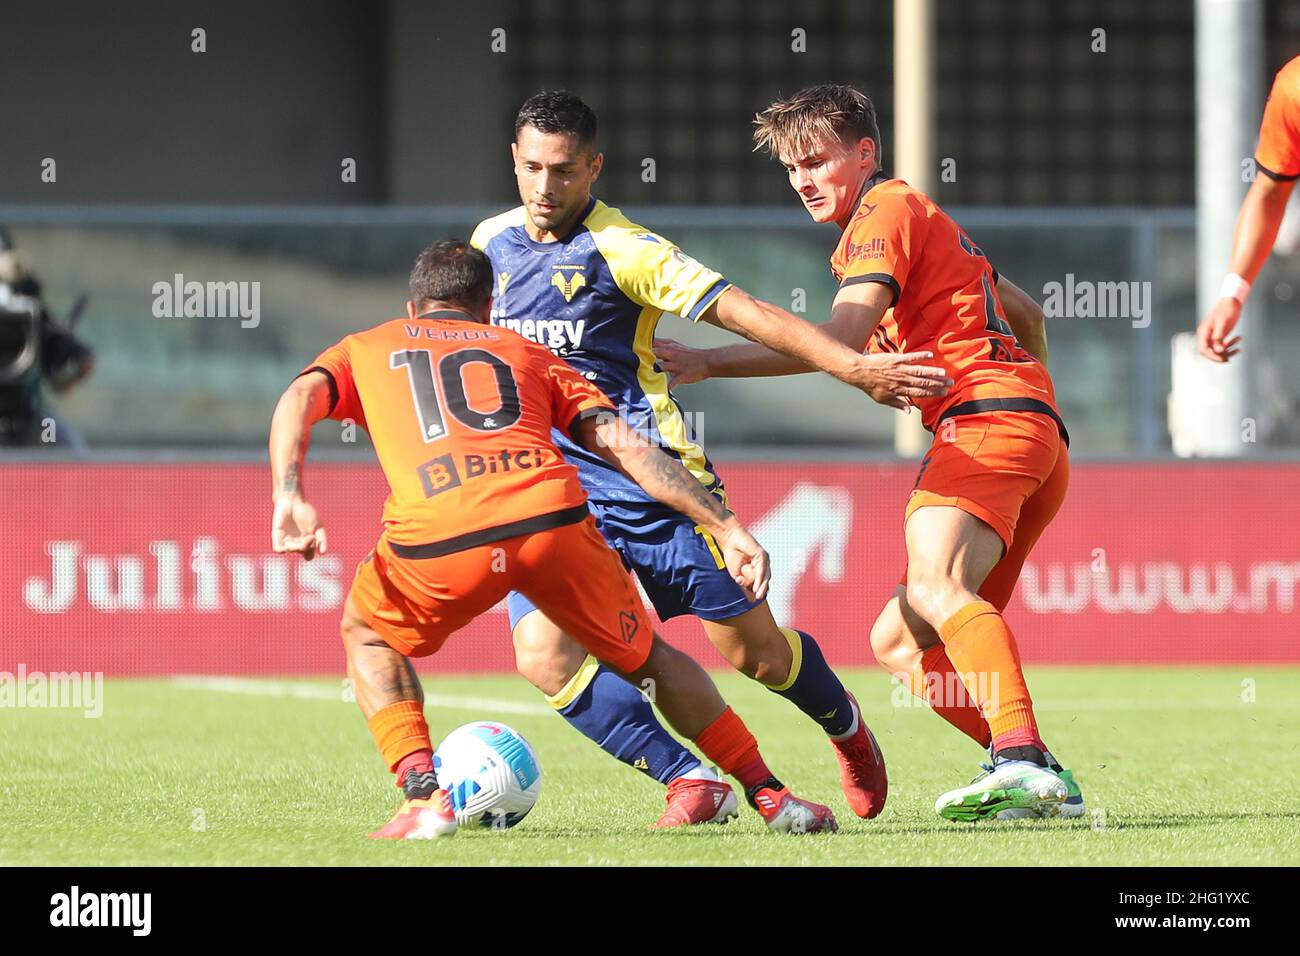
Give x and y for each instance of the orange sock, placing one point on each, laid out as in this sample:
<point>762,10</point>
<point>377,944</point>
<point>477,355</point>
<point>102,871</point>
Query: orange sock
<point>399,729</point>
<point>983,651</point>
<point>934,680</point>
<point>728,743</point>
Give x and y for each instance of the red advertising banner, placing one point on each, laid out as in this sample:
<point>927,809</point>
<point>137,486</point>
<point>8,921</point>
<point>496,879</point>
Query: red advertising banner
<point>165,569</point>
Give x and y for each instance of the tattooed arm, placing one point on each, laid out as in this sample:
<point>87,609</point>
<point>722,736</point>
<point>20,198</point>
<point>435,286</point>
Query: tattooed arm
<point>665,479</point>
<point>294,526</point>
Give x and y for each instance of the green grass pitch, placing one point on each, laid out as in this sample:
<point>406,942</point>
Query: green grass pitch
<point>1179,767</point>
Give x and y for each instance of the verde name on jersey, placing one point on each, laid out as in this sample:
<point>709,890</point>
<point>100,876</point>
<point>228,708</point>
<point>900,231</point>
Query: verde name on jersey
<point>594,298</point>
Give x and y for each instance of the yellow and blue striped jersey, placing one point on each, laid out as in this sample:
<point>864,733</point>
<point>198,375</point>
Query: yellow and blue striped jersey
<point>594,298</point>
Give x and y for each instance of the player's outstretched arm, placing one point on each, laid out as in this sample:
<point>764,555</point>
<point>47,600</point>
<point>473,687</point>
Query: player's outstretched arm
<point>786,344</point>
<point>789,345</point>
<point>665,479</point>
<point>294,525</point>
<point>1257,224</point>
<point>1025,317</point>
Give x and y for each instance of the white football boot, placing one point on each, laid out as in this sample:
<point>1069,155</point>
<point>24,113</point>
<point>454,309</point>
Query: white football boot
<point>1005,787</point>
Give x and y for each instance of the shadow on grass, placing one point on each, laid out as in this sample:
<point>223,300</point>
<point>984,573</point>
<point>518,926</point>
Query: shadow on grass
<point>878,829</point>
<point>1113,823</point>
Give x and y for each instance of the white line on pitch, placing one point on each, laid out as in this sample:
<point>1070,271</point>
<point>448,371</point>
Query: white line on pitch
<point>271,688</point>
<point>1084,706</point>
<point>1191,704</point>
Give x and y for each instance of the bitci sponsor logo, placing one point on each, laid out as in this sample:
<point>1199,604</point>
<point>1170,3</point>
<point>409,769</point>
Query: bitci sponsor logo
<point>442,473</point>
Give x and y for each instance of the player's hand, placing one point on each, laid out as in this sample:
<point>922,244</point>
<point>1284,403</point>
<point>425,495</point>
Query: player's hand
<point>683,364</point>
<point>894,379</point>
<point>295,529</point>
<point>747,562</point>
<point>1212,334</point>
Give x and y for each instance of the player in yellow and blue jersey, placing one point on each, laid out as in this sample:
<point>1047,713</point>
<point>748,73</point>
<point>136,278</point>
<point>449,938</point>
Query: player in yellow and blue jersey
<point>579,277</point>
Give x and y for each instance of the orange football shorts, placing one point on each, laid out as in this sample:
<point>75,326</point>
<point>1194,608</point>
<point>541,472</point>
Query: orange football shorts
<point>1010,470</point>
<point>569,572</point>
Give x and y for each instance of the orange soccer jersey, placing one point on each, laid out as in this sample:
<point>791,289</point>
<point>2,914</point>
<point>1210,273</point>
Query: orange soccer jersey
<point>943,300</point>
<point>1278,153</point>
<point>460,415</point>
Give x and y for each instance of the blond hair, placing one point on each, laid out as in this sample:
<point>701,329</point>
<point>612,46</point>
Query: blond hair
<point>814,116</point>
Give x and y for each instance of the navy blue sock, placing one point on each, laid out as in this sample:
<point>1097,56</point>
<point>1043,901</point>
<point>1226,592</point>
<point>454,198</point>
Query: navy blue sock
<point>813,687</point>
<point>616,716</point>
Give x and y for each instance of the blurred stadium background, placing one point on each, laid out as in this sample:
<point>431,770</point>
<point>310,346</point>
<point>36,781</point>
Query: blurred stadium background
<point>146,551</point>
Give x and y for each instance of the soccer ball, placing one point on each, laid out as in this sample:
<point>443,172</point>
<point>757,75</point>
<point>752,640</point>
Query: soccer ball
<point>490,772</point>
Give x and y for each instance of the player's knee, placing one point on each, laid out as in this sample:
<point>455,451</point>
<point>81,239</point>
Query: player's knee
<point>542,670</point>
<point>546,661</point>
<point>887,640</point>
<point>928,596</point>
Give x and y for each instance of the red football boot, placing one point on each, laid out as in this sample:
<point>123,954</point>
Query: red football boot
<point>862,769</point>
<point>783,812</point>
<point>420,819</point>
<point>698,801</point>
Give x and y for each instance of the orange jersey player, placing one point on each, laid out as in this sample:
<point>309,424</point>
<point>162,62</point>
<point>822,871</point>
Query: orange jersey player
<point>1277,162</point>
<point>941,300</point>
<point>482,502</point>
<point>460,417</point>
<point>996,474</point>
